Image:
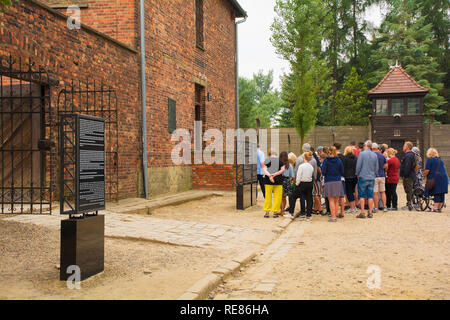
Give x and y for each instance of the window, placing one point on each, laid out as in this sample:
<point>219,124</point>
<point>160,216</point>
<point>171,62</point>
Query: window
<point>172,115</point>
<point>414,106</point>
<point>199,23</point>
<point>382,107</point>
<point>397,106</point>
<point>200,114</point>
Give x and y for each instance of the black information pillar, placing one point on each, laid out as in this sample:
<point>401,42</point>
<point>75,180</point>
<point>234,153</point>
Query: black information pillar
<point>82,192</point>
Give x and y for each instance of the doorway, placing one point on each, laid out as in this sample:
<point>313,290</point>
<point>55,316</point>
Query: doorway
<point>398,145</point>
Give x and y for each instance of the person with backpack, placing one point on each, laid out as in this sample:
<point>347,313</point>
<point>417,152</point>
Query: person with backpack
<point>408,173</point>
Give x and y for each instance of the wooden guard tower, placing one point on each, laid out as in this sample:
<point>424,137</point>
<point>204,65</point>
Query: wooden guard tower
<point>398,114</point>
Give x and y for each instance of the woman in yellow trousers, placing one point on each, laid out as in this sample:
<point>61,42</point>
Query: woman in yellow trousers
<point>273,169</point>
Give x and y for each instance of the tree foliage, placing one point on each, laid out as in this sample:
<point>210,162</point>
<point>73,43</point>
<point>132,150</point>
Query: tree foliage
<point>352,104</point>
<point>297,38</point>
<point>258,99</point>
<point>324,41</point>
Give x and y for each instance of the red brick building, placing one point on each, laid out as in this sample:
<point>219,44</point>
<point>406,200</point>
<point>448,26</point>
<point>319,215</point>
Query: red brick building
<point>190,65</point>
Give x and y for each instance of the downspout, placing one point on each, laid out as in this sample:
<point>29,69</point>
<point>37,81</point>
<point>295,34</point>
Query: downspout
<point>237,94</point>
<point>237,70</point>
<point>144,98</point>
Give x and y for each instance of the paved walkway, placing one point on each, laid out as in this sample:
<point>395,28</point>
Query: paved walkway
<point>187,233</point>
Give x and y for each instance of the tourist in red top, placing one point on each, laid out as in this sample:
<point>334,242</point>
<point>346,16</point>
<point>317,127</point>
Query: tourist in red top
<point>392,180</point>
<point>357,148</point>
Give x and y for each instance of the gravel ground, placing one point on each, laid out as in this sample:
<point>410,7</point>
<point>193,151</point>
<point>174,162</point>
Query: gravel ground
<point>219,210</point>
<point>411,250</point>
<point>29,256</point>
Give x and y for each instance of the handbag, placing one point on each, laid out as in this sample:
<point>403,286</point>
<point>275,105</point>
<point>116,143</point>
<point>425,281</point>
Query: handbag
<point>431,183</point>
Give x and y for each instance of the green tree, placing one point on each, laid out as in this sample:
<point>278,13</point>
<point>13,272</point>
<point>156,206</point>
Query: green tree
<point>296,35</point>
<point>4,3</point>
<point>352,104</point>
<point>406,38</point>
<point>258,99</point>
<point>247,94</point>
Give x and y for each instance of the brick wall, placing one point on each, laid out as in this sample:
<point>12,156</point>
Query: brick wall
<point>32,32</point>
<point>115,18</point>
<point>175,65</point>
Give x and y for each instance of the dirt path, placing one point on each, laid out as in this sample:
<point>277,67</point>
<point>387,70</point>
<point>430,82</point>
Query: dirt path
<point>322,260</point>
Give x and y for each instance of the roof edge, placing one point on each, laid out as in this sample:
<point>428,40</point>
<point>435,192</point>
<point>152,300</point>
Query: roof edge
<point>241,12</point>
<point>421,89</point>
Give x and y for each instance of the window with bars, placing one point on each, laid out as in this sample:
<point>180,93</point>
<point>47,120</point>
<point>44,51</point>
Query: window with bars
<point>172,112</point>
<point>199,23</point>
<point>382,107</point>
<point>397,106</point>
<point>414,106</point>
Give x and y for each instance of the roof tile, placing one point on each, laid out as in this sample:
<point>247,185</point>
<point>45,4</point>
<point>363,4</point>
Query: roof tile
<point>398,81</point>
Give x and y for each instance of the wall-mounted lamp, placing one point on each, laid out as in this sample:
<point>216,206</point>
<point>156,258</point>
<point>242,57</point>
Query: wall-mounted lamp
<point>209,96</point>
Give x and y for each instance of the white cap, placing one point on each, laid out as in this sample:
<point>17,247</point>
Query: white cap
<point>306,147</point>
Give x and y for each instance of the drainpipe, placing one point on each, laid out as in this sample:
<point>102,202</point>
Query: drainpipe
<point>237,93</point>
<point>144,98</point>
<point>237,71</point>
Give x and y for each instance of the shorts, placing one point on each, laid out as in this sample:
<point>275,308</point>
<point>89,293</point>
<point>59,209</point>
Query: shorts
<point>365,188</point>
<point>380,185</point>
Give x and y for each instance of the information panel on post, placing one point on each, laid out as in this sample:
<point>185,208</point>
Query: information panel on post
<point>90,171</point>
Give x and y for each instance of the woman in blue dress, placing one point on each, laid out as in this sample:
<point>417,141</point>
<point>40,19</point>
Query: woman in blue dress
<point>435,169</point>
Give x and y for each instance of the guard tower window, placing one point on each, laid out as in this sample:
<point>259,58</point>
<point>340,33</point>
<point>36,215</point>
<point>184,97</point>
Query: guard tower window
<point>397,106</point>
<point>199,23</point>
<point>382,107</point>
<point>414,106</point>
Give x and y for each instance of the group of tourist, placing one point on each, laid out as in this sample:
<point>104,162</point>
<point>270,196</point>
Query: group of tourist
<point>364,178</point>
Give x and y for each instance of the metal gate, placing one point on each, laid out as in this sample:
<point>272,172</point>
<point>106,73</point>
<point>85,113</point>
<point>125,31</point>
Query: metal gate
<point>99,101</point>
<point>246,175</point>
<point>29,134</point>
<point>25,138</point>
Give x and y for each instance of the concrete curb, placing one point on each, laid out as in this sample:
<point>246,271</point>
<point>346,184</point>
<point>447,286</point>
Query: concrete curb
<point>204,286</point>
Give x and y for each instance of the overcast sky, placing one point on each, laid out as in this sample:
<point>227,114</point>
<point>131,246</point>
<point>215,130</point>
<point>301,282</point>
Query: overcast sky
<point>255,49</point>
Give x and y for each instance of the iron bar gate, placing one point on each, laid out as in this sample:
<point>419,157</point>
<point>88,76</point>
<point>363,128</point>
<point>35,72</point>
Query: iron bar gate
<point>25,138</point>
<point>246,175</point>
<point>29,134</point>
<point>98,101</point>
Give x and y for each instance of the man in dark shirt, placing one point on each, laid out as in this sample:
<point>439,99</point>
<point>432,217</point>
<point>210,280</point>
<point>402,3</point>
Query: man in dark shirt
<point>408,173</point>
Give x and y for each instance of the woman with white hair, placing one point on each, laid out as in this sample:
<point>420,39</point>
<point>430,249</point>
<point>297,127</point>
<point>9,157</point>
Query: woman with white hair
<point>437,179</point>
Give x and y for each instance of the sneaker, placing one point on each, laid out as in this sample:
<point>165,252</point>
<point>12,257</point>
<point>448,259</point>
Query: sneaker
<point>348,211</point>
<point>332,219</point>
<point>288,215</point>
<point>361,216</point>
<point>385,210</point>
<point>407,208</point>
<point>375,210</point>
<point>302,215</point>
<point>308,219</point>
<point>390,209</point>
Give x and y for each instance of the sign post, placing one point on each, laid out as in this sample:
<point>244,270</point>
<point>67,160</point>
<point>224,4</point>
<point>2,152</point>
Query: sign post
<point>82,194</point>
